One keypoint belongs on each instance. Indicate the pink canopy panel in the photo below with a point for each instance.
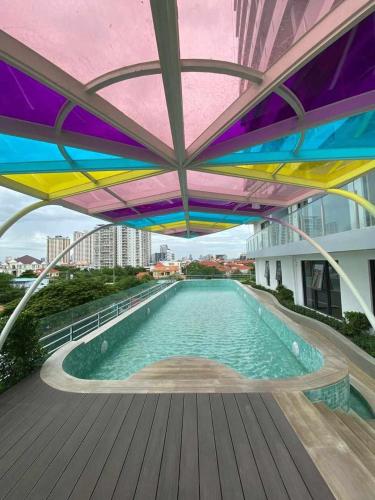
(254, 34)
(185, 117)
(143, 100)
(86, 38)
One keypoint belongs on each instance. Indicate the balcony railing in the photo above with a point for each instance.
(329, 214)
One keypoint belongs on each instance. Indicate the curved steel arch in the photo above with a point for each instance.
(333, 263)
(193, 66)
(25, 299)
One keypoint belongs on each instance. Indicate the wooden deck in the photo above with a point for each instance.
(61, 445)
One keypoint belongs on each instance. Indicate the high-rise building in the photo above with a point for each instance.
(82, 253)
(55, 245)
(165, 254)
(133, 247)
(104, 248)
(121, 246)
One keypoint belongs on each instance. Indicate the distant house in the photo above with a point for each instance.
(164, 269)
(18, 265)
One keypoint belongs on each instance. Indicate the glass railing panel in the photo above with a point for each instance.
(330, 214)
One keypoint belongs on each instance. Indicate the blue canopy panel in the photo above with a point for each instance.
(19, 155)
(349, 138)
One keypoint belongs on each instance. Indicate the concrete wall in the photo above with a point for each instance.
(355, 263)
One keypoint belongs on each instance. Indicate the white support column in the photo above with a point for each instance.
(333, 263)
(17, 216)
(25, 299)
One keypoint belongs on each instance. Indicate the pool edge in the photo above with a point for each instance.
(333, 371)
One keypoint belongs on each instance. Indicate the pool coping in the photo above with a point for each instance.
(356, 356)
(333, 370)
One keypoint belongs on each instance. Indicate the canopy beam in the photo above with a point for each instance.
(324, 33)
(165, 19)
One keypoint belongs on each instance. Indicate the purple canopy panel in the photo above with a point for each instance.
(164, 205)
(272, 110)
(83, 122)
(349, 70)
(24, 98)
(241, 208)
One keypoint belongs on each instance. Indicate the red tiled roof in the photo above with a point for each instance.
(27, 259)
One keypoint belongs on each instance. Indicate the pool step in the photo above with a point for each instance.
(365, 452)
(359, 426)
(344, 472)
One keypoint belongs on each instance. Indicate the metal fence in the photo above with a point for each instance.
(74, 331)
(249, 275)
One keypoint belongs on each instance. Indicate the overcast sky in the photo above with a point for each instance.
(28, 236)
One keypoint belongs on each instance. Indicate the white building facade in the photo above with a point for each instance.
(120, 246)
(82, 253)
(18, 265)
(55, 245)
(340, 226)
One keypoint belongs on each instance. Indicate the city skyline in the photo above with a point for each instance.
(60, 221)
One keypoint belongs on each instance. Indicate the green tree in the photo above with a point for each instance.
(195, 268)
(22, 352)
(28, 274)
(8, 292)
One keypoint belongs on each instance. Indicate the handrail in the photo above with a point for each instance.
(98, 319)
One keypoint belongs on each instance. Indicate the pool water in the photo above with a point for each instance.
(359, 404)
(209, 319)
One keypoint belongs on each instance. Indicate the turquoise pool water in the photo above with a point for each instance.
(211, 319)
(359, 404)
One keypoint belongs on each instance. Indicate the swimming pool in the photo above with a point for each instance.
(213, 319)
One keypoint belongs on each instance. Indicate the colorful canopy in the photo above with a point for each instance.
(185, 117)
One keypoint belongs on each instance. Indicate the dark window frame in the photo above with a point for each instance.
(326, 288)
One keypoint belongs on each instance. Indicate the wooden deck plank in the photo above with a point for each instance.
(25, 388)
(170, 465)
(189, 460)
(268, 471)
(107, 481)
(231, 487)
(22, 411)
(290, 475)
(56, 467)
(311, 476)
(28, 455)
(71, 474)
(15, 445)
(251, 482)
(89, 477)
(210, 488)
(32, 475)
(149, 476)
(164, 446)
(128, 479)
(23, 428)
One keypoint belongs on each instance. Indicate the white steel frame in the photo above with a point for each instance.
(326, 31)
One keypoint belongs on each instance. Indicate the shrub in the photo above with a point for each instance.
(22, 353)
(284, 294)
(356, 323)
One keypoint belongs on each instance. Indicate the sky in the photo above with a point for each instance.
(28, 235)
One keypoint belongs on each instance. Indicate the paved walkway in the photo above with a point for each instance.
(61, 445)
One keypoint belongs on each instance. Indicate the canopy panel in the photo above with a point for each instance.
(181, 117)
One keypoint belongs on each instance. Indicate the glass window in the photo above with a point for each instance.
(267, 272)
(321, 285)
(279, 274)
